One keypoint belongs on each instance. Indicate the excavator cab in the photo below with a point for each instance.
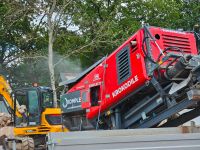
(38, 116)
(29, 103)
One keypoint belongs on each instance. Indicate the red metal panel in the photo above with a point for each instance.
(114, 92)
(105, 74)
(183, 40)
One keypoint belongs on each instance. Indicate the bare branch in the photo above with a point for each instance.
(60, 13)
(53, 7)
(34, 57)
(73, 52)
(59, 16)
(49, 16)
(41, 21)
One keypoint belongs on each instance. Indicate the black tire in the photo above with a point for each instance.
(27, 143)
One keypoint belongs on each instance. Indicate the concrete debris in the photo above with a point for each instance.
(6, 132)
(5, 120)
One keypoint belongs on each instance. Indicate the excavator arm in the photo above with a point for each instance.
(5, 91)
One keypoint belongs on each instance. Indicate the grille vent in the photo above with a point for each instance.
(180, 42)
(123, 64)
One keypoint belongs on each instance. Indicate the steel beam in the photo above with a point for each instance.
(144, 107)
(183, 118)
(166, 113)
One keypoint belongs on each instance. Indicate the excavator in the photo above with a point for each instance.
(33, 115)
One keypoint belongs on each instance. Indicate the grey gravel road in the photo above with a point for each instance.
(126, 141)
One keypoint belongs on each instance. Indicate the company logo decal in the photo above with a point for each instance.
(96, 77)
(125, 86)
(72, 102)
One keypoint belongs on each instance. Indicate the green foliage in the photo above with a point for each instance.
(107, 24)
(87, 31)
(19, 39)
(190, 14)
(102, 26)
(29, 72)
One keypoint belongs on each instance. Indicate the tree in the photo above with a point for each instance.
(34, 31)
(109, 23)
(15, 30)
(50, 14)
(37, 28)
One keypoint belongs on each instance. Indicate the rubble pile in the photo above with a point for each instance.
(5, 120)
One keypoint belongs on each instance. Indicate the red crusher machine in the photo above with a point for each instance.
(146, 82)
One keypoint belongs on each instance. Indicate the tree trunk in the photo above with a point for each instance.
(51, 67)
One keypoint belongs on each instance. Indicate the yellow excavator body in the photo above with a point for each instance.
(44, 128)
(32, 112)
